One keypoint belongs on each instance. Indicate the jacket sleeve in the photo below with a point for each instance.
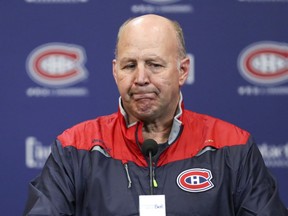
(257, 191)
(52, 192)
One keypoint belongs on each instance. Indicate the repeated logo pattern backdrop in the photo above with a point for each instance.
(55, 69)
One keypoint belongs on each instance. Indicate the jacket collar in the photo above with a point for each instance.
(176, 126)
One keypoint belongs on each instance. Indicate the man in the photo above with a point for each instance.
(204, 166)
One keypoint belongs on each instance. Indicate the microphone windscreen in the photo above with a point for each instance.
(149, 145)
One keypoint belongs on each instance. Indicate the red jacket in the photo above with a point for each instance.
(207, 167)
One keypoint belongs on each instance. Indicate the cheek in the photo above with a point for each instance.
(167, 80)
(124, 83)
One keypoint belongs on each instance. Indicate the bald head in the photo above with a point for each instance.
(156, 25)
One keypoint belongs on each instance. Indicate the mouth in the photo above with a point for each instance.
(143, 96)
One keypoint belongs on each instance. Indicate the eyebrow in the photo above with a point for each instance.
(147, 58)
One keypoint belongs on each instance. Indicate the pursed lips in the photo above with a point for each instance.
(143, 95)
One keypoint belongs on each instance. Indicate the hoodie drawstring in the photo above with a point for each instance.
(127, 174)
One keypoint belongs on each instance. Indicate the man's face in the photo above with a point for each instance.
(148, 71)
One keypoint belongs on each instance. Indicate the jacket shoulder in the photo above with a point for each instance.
(217, 132)
(82, 135)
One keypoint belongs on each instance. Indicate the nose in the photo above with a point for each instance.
(141, 76)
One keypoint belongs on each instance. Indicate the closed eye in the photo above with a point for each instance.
(130, 66)
(154, 65)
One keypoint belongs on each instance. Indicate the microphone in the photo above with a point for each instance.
(149, 149)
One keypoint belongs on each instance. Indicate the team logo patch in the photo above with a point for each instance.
(195, 180)
(264, 63)
(57, 65)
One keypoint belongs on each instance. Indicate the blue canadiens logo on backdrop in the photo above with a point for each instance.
(195, 180)
(57, 64)
(264, 63)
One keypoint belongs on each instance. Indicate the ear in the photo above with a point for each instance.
(114, 65)
(184, 70)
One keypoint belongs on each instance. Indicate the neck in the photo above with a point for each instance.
(158, 131)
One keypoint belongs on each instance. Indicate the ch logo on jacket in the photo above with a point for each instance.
(195, 180)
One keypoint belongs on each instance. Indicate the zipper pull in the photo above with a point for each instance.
(155, 184)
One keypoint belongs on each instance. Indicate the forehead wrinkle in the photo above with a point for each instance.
(141, 57)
